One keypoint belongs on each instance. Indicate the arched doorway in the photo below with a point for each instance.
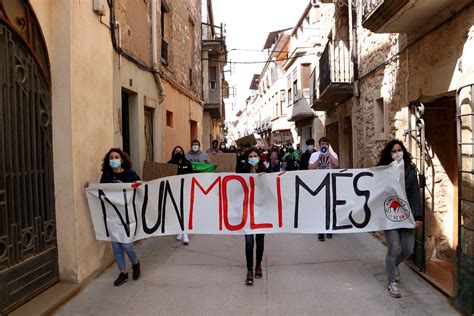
(28, 252)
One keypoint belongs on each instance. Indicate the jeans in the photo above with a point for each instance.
(119, 248)
(249, 241)
(401, 243)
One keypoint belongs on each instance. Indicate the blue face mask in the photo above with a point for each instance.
(115, 163)
(254, 161)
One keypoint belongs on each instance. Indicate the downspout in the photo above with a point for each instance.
(154, 53)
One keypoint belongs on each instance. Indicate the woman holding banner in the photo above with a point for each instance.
(117, 168)
(401, 242)
(253, 164)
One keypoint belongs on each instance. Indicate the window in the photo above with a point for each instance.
(379, 116)
(212, 77)
(165, 26)
(169, 118)
(290, 94)
(306, 82)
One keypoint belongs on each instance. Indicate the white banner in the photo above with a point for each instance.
(313, 201)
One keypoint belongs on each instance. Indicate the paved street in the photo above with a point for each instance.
(302, 276)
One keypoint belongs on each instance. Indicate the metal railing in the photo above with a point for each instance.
(212, 32)
(368, 6)
(335, 65)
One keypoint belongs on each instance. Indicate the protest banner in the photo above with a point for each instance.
(311, 201)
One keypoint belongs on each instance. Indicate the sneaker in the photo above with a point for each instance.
(136, 270)
(397, 275)
(393, 290)
(179, 237)
(321, 237)
(185, 239)
(258, 272)
(122, 278)
(249, 280)
(328, 236)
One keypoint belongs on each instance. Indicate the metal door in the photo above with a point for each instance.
(28, 252)
(417, 146)
(465, 249)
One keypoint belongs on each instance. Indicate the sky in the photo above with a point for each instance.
(247, 24)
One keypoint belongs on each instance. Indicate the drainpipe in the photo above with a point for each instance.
(117, 26)
(154, 52)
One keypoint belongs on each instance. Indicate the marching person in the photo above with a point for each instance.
(194, 155)
(253, 164)
(117, 168)
(401, 241)
(304, 161)
(184, 167)
(223, 147)
(274, 164)
(178, 158)
(214, 148)
(324, 158)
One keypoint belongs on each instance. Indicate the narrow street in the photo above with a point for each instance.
(341, 276)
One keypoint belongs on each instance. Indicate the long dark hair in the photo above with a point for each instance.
(386, 153)
(172, 152)
(126, 162)
(247, 167)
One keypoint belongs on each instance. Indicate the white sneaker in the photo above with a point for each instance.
(185, 239)
(393, 290)
(179, 237)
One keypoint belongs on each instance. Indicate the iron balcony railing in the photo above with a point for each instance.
(335, 66)
(164, 51)
(368, 6)
(212, 32)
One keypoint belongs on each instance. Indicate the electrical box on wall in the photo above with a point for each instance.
(98, 6)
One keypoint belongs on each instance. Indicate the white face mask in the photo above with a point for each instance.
(398, 156)
(310, 147)
(195, 148)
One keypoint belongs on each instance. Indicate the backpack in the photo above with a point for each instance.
(291, 163)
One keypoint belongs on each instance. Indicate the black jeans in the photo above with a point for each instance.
(249, 240)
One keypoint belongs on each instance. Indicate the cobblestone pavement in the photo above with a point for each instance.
(341, 276)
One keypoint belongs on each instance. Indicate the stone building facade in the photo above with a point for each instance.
(411, 75)
(100, 82)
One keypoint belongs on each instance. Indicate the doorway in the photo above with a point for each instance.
(28, 250)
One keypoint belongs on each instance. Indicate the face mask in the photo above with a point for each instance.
(222, 147)
(397, 156)
(254, 161)
(310, 147)
(115, 163)
(178, 155)
(195, 148)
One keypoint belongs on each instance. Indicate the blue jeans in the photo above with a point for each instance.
(400, 243)
(119, 248)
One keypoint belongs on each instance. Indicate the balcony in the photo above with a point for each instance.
(402, 16)
(336, 74)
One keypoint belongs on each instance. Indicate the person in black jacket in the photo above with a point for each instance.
(178, 158)
(184, 167)
(401, 242)
(253, 164)
(117, 168)
(304, 161)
